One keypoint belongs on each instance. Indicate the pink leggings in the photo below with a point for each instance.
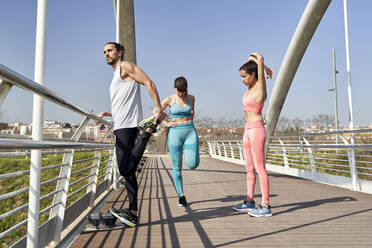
(253, 148)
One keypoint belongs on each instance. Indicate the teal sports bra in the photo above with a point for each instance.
(176, 111)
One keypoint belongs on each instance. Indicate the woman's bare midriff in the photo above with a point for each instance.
(251, 117)
(182, 120)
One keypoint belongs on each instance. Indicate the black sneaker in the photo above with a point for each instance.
(182, 201)
(126, 216)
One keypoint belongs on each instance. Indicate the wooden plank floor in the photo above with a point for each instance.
(305, 213)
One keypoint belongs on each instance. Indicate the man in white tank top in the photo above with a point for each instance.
(126, 111)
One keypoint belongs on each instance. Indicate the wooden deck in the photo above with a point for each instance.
(305, 213)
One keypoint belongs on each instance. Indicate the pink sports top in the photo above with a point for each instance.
(250, 104)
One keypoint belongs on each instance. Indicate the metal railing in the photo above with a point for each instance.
(75, 176)
(327, 157)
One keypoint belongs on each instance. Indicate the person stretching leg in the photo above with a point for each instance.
(182, 134)
(126, 111)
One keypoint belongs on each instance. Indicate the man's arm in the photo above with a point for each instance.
(140, 76)
(105, 113)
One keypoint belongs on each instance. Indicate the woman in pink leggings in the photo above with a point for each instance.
(252, 74)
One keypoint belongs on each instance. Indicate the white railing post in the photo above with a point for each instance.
(240, 148)
(4, 90)
(311, 156)
(241, 153)
(232, 151)
(224, 150)
(353, 172)
(285, 157)
(209, 147)
(214, 144)
(94, 177)
(109, 169)
(61, 197)
(37, 131)
(34, 200)
(110, 166)
(115, 174)
(356, 185)
(219, 149)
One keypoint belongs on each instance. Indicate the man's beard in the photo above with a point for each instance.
(112, 62)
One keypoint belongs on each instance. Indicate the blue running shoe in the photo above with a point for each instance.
(245, 207)
(262, 211)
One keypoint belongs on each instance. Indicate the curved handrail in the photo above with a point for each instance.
(323, 133)
(19, 80)
(8, 144)
(323, 145)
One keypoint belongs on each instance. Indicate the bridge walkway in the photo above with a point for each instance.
(305, 213)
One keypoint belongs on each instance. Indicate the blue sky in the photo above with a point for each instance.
(205, 41)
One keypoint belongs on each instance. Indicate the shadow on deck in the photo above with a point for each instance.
(305, 213)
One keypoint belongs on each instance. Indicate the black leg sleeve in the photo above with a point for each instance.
(129, 154)
(138, 150)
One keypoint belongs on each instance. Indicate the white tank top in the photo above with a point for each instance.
(126, 106)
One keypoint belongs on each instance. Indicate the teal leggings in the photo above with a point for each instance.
(183, 136)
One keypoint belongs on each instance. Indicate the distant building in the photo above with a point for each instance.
(95, 132)
(7, 131)
(92, 131)
(25, 129)
(55, 129)
(102, 132)
(3, 126)
(12, 128)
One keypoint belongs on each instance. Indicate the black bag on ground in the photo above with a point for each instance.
(102, 220)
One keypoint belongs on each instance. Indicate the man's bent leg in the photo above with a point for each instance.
(138, 150)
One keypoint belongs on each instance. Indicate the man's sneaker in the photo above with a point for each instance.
(126, 216)
(262, 211)
(182, 201)
(245, 207)
(148, 123)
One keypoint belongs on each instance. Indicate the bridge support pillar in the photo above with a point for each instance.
(309, 22)
(125, 30)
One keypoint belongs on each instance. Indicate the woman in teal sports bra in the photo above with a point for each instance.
(182, 133)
